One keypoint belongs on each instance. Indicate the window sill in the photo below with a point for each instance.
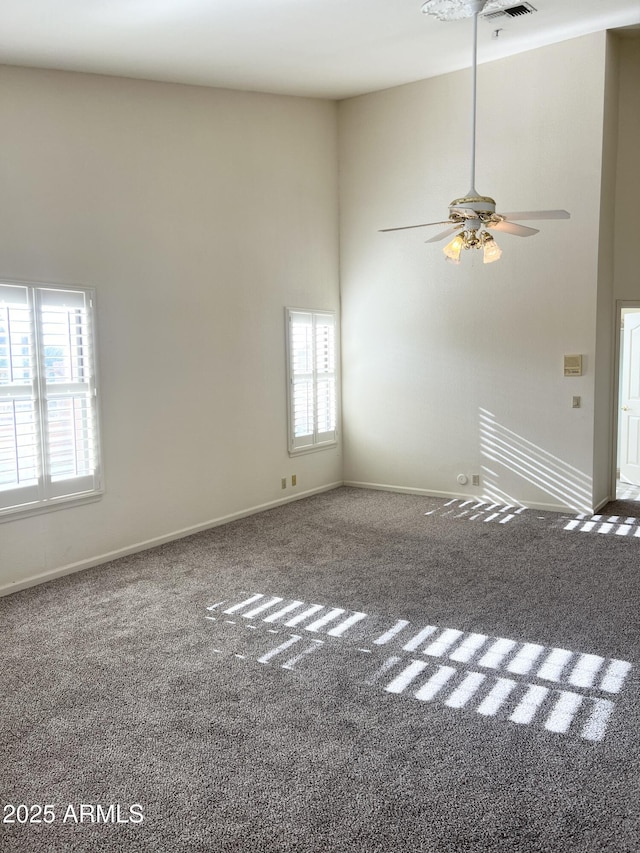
(301, 451)
(49, 506)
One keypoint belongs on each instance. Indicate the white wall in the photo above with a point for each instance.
(197, 214)
(447, 369)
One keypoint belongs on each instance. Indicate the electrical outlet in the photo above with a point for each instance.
(294, 479)
(475, 480)
(283, 482)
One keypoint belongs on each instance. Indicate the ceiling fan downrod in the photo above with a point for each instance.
(473, 200)
(474, 95)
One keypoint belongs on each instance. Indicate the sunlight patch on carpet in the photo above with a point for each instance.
(477, 510)
(616, 525)
(460, 509)
(501, 677)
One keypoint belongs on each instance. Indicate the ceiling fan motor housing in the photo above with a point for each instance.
(473, 207)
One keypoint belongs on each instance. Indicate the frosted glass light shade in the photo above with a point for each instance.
(452, 250)
(491, 251)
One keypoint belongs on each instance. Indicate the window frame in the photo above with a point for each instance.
(316, 441)
(49, 493)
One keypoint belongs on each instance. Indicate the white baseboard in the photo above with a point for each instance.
(98, 560)
(432, 493)
(408, 490)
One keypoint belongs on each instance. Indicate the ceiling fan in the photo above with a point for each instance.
(473, 217)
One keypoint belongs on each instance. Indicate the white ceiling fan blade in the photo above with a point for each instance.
(512, 228)
(538, 214)
(442, 234)
(423, 225)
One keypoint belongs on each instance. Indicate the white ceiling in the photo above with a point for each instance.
(320, 48)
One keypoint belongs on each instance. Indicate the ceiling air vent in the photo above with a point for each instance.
(522, 9)
(511, 12)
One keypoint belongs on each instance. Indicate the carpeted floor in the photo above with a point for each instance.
(358, 671)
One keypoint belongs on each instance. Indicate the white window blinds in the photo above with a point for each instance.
(49, 449)
(312, 379)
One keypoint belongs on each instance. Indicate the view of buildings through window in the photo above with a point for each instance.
(48, 407)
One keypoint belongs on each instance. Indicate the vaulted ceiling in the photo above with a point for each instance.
(331, 49)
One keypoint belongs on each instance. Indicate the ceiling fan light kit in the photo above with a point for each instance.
(472, 239)
(471, 216)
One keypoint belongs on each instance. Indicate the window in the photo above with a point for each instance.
(311, 354)
(49, 449)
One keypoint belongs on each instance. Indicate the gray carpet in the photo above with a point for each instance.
(358, 671)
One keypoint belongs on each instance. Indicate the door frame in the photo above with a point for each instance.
(615, 433)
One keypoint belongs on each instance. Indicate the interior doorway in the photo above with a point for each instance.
(628, 403)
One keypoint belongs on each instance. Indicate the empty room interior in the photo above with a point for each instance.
(320, 479)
